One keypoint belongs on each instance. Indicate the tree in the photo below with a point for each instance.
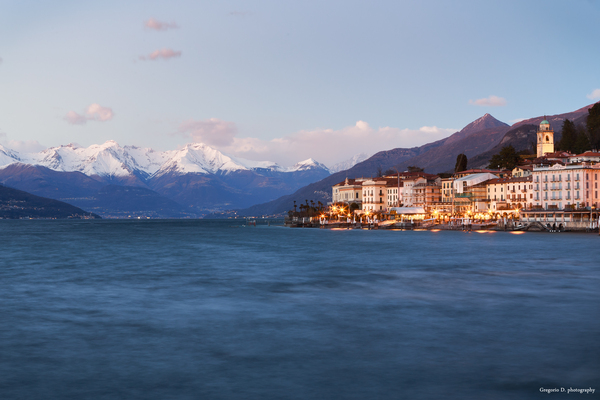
(569, 137)
(414, 168)
(461, 163)
(582, 143)
(507, 158)
(593, 126)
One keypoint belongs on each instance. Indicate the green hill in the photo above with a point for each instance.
(16, 204)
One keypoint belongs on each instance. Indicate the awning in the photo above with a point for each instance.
(408, 210)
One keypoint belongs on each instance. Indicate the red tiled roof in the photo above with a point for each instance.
(558, 154)
(510, 180)
(588, 154)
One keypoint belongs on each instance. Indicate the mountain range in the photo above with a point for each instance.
(198, 180)
(479, 140)
(180, 183)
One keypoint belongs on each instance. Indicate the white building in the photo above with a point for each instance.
(566, 186)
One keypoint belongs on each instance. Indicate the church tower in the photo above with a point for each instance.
(545, 139)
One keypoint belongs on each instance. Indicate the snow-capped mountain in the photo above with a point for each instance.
(105, 160)
(306, 165)
(8, 156)
(349, 163)
(196, 175)
(111, 160)
(199, 158)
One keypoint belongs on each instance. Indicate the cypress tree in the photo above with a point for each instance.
(582, 143)
(461, 163)
(569, 137)
(593, 126)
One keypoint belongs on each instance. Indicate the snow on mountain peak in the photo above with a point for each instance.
(111, 160)
(307, 164)
(349, 163)
(199, 158)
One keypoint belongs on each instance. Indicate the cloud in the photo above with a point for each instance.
(24, 146)
(95, 112)
(162, 53)
(328, 146)
(514, 121)
(213, 131)
(592, 96)
(160, 26)
(492, 101)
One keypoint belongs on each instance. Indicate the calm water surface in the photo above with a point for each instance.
(212, 310)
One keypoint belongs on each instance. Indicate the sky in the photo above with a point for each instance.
(287, 80)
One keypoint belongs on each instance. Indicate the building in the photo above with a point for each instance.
(565, 196)
(569, 187)
(470, 193)
(498, 173)
(349, 191)
(519, 192)
(588, 156)
(447, 191)
(522, 171)
(545, 139)
(375, 194)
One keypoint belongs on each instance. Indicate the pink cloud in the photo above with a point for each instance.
(95, 112)
(592, 96)
(213, 131)
(331, 146)
(492, 101)
(98, 113)
(75, 119)
(162, 53)
(160, 26)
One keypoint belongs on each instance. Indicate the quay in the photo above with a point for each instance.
(553, 192)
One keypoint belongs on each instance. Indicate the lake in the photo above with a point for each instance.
(205, 309)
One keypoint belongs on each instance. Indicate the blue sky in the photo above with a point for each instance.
(283, 80)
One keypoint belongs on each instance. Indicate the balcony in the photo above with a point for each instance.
(464, 195)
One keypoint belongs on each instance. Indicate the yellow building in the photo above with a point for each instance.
(545, 139)
(447, 191)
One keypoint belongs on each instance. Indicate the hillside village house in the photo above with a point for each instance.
(522, 171)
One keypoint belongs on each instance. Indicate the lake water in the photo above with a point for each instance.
(211, 310)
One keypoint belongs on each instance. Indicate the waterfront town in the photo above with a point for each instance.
(553, 190)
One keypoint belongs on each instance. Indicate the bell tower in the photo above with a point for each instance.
(545, 139)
